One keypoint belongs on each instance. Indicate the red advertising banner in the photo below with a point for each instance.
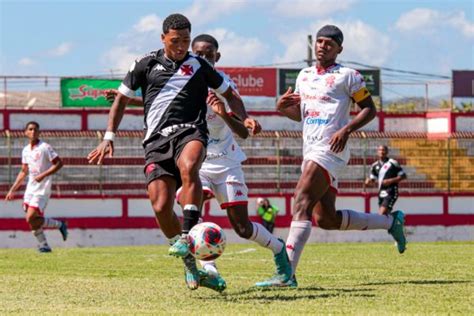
(463, 83)
(253, 81)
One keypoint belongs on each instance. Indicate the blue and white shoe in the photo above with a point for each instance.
(63, 230)
(398, 230)
(191, 273)
(277, 282)
(180, 248)
(282, 262)
(213, 282)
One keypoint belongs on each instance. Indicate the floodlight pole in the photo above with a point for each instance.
(309, 59)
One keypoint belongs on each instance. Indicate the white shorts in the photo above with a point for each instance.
(228, 187)
(38, 202)
(331, 164)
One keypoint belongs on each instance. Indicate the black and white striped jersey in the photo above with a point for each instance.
(381, 170)
(174, 93)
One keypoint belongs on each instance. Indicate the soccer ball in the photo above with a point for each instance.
(206, 241)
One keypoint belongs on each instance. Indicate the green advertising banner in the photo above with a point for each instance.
(84, 92)
(287, 77)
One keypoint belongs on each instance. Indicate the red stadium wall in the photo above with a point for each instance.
(134, 212)
(436, 123)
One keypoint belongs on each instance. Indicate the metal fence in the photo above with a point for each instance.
(407, 97)
(273, 164)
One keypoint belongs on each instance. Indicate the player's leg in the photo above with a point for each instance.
(328, 218)
(35, 220)
(311, 186)
(189, 163)
(49, 222)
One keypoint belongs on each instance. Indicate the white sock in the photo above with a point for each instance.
(40, 236)
(210, 267)
(352, 220)
(174, 239)
(51, 223)
(265, 239)
(297, 238)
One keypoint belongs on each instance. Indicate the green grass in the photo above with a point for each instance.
(431, 278)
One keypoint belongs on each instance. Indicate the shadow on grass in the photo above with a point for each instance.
(291, 294)
(419, 282)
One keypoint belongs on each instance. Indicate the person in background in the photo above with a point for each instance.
(267, 212)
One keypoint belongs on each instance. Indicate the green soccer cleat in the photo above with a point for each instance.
(276, 281)
(191, 273)
(216, 283)
(180, 248)
(63, 230)
(398, 230)
(283, 266)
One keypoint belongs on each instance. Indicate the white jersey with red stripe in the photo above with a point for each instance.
(39, 158)
(326, 99)
(223, 152)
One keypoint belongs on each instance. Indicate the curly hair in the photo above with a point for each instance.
(176, 22)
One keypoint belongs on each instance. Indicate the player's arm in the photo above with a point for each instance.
(289, 105)
(18, 182)
(233, 122)
(237, 106)
(367, 113)
(372, 176)
(110, 95)
(57, 164)
(401, 175)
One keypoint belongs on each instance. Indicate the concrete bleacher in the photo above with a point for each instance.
(273, 163)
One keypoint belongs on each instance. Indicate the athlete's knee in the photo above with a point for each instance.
(34, 220)
(159, 207)
(189, 172)
(244, 230)
(325, 221)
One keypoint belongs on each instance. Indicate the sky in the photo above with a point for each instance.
(69, 38)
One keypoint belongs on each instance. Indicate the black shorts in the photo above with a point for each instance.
(161, 155)
(388, 199)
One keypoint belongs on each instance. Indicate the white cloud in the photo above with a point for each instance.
(60, 50)
(312, 8)
(428, 20)
(202, 12)
(119, 58)
(238, 50)
(362, 43)
(149, 23)
(26, 61)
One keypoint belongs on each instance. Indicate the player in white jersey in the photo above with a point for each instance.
(322, 99)
(222, 176)
(40, 161)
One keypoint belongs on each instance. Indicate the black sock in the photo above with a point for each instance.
(191, 216)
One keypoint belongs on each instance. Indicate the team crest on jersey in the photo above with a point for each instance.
(330, 81)
(186, 70)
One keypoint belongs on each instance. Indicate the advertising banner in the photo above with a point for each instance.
(253, 81)
(287, 77)
(463, 83)
(85, 92)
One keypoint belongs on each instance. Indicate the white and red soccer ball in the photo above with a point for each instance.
(206, 241)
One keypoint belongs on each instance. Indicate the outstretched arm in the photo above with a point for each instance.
(115, 117)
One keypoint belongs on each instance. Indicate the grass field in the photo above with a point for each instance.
(431, 278)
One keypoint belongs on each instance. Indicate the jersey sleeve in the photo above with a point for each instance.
(373, 173)
(213, 79)
(134, 78)
(51, 153)
(398, 168)
(24, 161)
(356, 86)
